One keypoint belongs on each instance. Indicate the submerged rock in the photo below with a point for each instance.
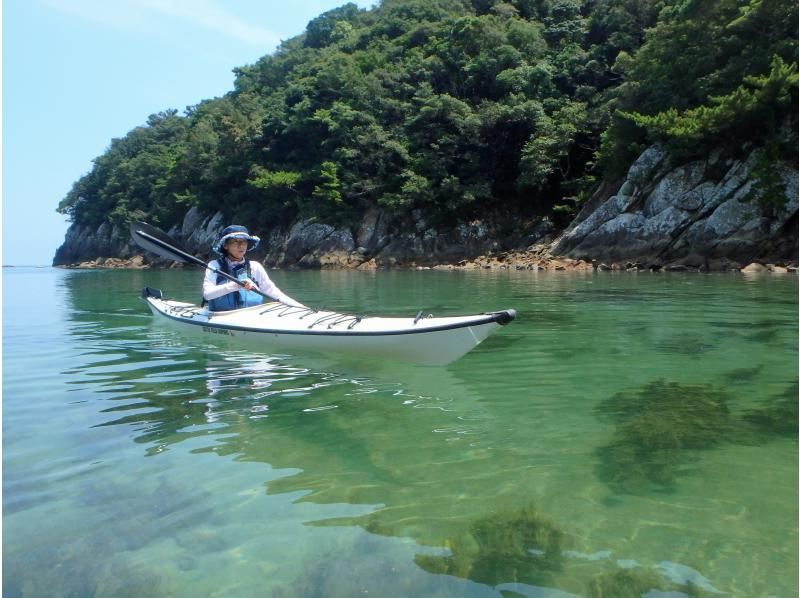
(660, 427)
(509, 546)
(637, 582)
(779, 415)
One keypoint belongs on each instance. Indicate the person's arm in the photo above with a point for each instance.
(266, 286)
(212, 290)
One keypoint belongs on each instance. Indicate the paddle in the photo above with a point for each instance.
(157, 241)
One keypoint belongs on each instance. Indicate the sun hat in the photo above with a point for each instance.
(235, 231)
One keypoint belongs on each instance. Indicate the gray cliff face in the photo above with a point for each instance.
(375, 244)
(692, 213)
(83, 243)
(305, 244)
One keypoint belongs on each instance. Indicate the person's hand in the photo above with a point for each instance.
(248, 284)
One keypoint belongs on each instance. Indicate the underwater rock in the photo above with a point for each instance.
(779, 416)
(510, 546)
(741, 375)
(660, 426)
(638, 582)
(685, 344)
(623, 583)
(683, 575)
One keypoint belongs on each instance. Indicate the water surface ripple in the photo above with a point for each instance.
(626, 435)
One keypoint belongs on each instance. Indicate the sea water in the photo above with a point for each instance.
(627, 433)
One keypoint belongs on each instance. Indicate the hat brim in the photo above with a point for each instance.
(252, 241)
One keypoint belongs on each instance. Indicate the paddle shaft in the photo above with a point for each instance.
(173, 252)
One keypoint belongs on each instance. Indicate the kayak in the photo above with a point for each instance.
(276, 326)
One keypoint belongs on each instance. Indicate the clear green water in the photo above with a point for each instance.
(637, 430)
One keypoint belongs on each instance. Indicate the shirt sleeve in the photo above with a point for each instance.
(266, 286)
(212, 290)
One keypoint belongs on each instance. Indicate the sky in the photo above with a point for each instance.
(79, 73)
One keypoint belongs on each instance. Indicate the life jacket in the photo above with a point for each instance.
(236, 299)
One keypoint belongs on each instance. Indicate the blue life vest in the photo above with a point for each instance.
(236, 299)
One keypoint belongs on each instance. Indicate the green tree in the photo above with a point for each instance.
(459, 108)
(698, 74)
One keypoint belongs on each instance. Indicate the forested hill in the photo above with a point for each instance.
(458, 109)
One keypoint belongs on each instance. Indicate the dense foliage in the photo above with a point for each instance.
(458, 107)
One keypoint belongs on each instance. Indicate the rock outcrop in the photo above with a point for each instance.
(693, 214)
(85, 243)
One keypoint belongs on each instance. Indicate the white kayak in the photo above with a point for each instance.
(275, 326)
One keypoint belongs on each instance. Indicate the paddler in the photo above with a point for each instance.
(223, 294)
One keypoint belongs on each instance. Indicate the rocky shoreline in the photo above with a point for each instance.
(699, 216)
(537, 259)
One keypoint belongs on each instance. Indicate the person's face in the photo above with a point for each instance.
(236, 248)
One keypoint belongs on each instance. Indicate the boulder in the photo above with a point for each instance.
(372, 233)
(755, 268)
(200, 234)
(304, 237)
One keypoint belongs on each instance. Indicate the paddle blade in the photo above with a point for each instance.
(157, 241)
